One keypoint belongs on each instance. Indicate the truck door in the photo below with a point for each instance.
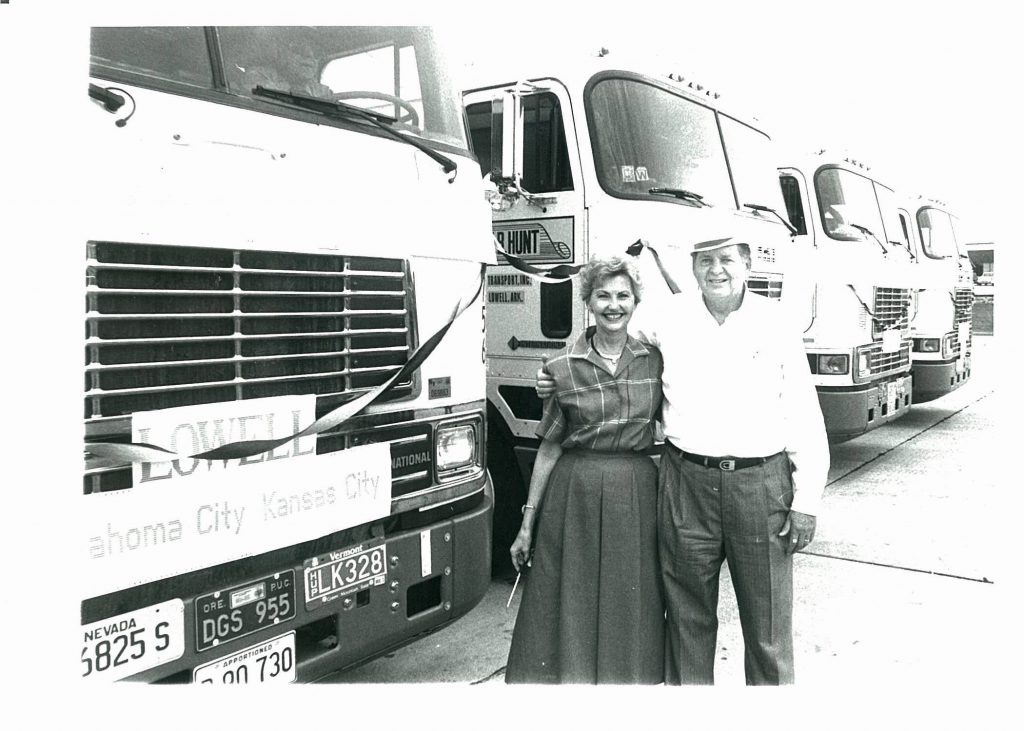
(544, 225)
(800, 290)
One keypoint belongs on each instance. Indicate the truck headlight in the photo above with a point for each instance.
(863, 364)
(456, 446)
(947, 346)
(834, 365)
(926, 345)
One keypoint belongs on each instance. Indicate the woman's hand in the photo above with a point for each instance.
(521, 548)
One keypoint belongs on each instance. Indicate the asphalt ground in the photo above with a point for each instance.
(906, 585)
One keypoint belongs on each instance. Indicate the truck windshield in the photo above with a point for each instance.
(848, 205)
(752, 164)
(894, 232)
(393, 71)
(937, 236)
(645, 136)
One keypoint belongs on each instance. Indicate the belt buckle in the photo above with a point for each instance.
(727, 465)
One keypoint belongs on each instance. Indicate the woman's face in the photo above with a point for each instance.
(612, 302)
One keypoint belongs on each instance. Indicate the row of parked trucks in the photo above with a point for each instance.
(590, 158)
(309, 405)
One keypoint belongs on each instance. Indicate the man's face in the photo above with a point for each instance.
(720, 273)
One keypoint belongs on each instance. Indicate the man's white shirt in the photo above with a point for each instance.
(742, 388)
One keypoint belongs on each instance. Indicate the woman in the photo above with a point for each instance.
(592, 608)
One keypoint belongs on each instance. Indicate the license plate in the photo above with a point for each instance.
(241, 610)
(890, 393)
(339, 573)
(890, 341)
(272, 661)
(129, 643)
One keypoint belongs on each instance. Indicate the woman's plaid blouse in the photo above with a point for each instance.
(594, 408)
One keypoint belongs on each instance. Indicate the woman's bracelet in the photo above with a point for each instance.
(531, 507)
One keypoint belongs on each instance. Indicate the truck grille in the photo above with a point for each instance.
(881, 363)
(765, 286)
(890, 310)
(963, 302)
(175, 326)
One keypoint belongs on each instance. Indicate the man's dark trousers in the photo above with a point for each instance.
(707, 515)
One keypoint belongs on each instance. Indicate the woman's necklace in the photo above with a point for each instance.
(613, 359)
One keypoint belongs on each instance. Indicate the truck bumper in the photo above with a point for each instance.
(430, 593)
(935, 378)
(850, 411)
(438, 568)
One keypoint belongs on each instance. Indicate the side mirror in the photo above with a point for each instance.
(502, 137)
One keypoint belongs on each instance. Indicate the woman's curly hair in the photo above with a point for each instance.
(598, 269)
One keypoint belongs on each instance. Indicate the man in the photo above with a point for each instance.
(743, 470)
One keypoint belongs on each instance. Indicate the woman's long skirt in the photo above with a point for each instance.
(592, 608)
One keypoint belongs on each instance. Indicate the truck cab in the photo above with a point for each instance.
(591, 157)
(942, 329)
(854, 291)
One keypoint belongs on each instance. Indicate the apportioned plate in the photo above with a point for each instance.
(272, 661)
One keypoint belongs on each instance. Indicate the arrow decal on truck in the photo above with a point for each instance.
(514, 343)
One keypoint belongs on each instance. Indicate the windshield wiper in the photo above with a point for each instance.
(766, 209)
(866, 230)
(111, 101)
(340, 109)
(679, 193)
(900, 245)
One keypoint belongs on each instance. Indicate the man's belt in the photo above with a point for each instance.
(726, 464)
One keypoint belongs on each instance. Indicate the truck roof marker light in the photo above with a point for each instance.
(695, 85)
(602, 52)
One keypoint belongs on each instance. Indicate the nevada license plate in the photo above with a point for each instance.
(343, 572)
(129, 643)
(272, 661)
(241, 610)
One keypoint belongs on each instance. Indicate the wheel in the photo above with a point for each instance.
(411, 116)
